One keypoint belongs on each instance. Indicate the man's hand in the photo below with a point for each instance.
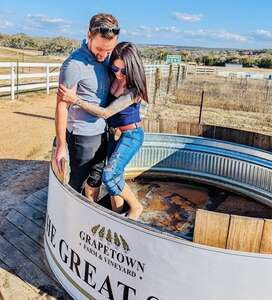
(59, 155)
(67, 95)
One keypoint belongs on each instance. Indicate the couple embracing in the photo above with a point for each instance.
(101, 86)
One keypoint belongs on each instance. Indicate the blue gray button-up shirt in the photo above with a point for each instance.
(92, 80)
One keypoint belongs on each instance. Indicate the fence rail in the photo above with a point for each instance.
(11, 80)
(162, 79)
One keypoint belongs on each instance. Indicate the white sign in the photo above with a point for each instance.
(96, 254)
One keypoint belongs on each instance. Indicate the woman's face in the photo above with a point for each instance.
(119, 69)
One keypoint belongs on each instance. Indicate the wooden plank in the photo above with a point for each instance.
(262, 141)
(28, 227)
(153, 126)
(27, 247)
(145, 125)
(41, 194)
(23, 267)
(208, 131)
(228, 134)
(4, 266)
(184, 128)
(168, 126)
(211, 228)
(266, 243)
(6, 250)
(36, 203)
(245, 234)
(32, 214)
(196, 129)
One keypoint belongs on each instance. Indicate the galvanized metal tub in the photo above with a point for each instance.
(123, 259)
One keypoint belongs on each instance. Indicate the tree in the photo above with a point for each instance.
(57, 46)
(265, 62)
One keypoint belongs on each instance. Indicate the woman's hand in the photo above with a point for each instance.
(67, 95)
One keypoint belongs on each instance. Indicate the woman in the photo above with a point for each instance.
(128, 88)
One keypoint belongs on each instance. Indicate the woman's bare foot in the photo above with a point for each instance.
(135, 212)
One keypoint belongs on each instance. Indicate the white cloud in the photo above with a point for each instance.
(187, 17)
(173, 32)
(261, 34)
(149, 32)
(43, 22)
(219, 35)
(4, 24)
(160, 29)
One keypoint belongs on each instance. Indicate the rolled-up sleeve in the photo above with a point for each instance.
(69, 74)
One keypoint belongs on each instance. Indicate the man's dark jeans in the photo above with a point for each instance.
(87, 156)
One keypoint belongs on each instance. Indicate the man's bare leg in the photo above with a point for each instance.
(117, 203)
(91, 192)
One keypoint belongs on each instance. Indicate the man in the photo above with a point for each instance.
(86, 69)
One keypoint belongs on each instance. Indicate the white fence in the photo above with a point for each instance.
(228, 72)
(12, 77)
(11, 81)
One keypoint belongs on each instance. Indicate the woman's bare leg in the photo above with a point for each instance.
(136, 207)
(117, 203)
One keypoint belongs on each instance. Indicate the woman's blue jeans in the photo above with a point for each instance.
(119, 154)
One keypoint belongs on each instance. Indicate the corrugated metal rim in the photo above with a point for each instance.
(237, 167)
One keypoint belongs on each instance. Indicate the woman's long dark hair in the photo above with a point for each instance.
(134, 67)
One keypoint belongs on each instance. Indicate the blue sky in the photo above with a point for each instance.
(206, 23)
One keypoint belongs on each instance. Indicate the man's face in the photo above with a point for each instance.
(101, 47)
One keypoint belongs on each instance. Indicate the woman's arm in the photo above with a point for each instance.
(122, 102)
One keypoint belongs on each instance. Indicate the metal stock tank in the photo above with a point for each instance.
(97, 254)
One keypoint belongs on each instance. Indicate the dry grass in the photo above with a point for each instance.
(227, 93)
(228, 102)
(14, 55)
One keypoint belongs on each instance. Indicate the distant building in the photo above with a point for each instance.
(233, 65)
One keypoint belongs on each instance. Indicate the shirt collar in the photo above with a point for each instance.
(84, 48)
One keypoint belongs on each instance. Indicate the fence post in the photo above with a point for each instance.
(157, 84)
(17, 79)
(169, 79)
(12, 80)
(47, 79)
(178, 77)
(201, 107)
(184, 72)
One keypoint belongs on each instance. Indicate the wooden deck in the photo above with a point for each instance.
(24, 272)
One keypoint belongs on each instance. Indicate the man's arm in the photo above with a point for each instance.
(60, 124)
(69, 77)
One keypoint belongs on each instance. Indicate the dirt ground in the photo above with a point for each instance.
(27, 131)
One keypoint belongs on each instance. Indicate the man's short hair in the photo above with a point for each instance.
(105, 24)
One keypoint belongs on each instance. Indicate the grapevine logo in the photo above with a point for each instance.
(118, 240)
(112, 249)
